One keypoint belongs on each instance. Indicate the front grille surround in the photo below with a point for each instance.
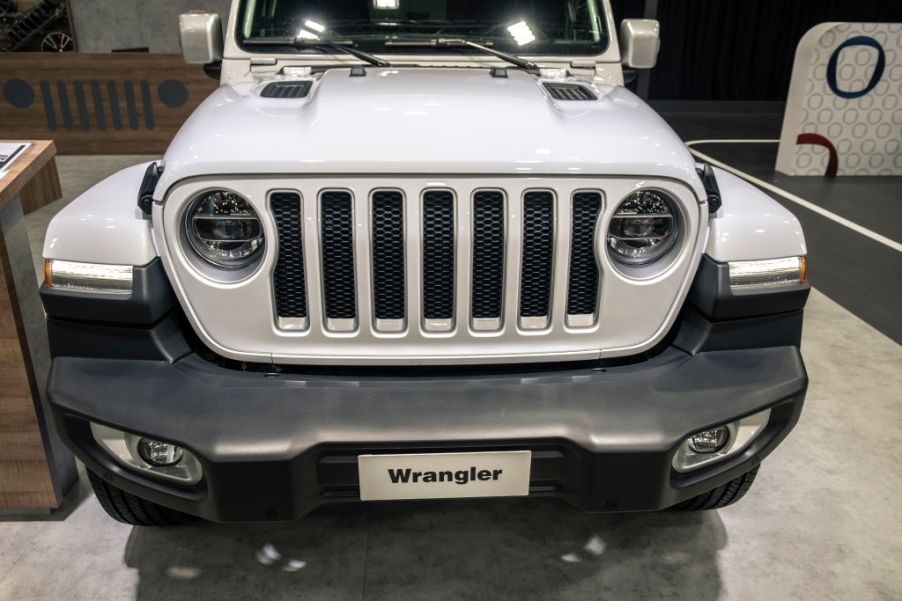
(239, 320)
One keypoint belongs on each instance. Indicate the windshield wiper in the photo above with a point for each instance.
(462, 43)
(345, 46)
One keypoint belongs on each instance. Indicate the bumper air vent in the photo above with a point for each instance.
(287, 89)
(570, 91)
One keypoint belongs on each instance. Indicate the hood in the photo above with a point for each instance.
(416, 120)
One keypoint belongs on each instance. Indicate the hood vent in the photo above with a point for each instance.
(287, 89)
(569, 91)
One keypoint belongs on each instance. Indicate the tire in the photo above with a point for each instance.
(127, 508)
(721, 496)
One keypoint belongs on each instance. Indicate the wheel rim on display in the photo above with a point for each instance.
(57, 42)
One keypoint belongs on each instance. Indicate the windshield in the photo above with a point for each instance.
(525, 27)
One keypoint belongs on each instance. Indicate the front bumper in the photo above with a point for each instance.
(274, 446)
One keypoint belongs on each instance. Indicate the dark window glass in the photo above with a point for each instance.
(559, 27)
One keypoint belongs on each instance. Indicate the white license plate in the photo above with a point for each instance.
(444, 475)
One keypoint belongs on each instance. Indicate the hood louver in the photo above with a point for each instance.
(287, 89)
(569, 91)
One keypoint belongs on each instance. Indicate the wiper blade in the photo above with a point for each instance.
(463, 43)
(345, 46)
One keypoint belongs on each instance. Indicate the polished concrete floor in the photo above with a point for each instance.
(821, 522)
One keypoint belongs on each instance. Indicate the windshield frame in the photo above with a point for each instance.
(605, 51)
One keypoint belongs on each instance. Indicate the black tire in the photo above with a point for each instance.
(127, 508)
(721, 496)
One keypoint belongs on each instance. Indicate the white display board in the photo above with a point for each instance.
(844, 111)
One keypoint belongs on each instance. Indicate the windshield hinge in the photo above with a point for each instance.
(263, 61)
(709, 181)
(148, 185)
(582, 64)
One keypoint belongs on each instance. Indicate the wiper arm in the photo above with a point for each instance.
(463, 43)
(345, 46)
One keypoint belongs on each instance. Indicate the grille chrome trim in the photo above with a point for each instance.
(293, 323)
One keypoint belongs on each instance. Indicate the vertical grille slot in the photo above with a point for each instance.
(289, 277)
(438, 259)
(337, 239)
(388, 259)
(488, 259)
(536, 263)
(582, 291)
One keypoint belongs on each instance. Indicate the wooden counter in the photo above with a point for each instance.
(36, 470)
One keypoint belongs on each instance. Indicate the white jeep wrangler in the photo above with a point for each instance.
(419, 249)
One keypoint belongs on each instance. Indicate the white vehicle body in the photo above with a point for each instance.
(444, 125)
(342, 276)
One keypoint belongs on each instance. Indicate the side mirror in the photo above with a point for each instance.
(640, 40)
(201, 37)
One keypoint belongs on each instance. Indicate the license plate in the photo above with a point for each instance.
(444, 475)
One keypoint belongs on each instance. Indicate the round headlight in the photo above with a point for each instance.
(643, 228)
(224, 229)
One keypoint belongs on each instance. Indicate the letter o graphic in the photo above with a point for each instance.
(878, 70)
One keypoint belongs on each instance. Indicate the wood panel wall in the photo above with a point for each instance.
(35, 470)
(25, 480)
(99, 103)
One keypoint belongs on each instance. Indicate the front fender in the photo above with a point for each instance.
(751, 225)
(104, 225)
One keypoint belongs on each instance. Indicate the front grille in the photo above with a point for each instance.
(488, 254)
(388, 255)
(538, 254)
(528, 257)
(289, 277)
(582, 291)
(438, 256)
(337, 235)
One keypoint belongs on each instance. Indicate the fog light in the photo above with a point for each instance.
(148, 456)
(159, 453)
(709, 441)
(716, 444)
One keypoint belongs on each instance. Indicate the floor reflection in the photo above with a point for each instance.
(502, 549)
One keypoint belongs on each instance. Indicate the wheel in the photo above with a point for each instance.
(57, 42)
(127, 508)
(721, 496)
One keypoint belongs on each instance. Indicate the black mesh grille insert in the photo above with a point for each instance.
(582, 292)
(288, 277)
(488, 254)
(337, 236)
(569, 91)
(388, 254)
(287, 89)
(438, 254)
(538, 251)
